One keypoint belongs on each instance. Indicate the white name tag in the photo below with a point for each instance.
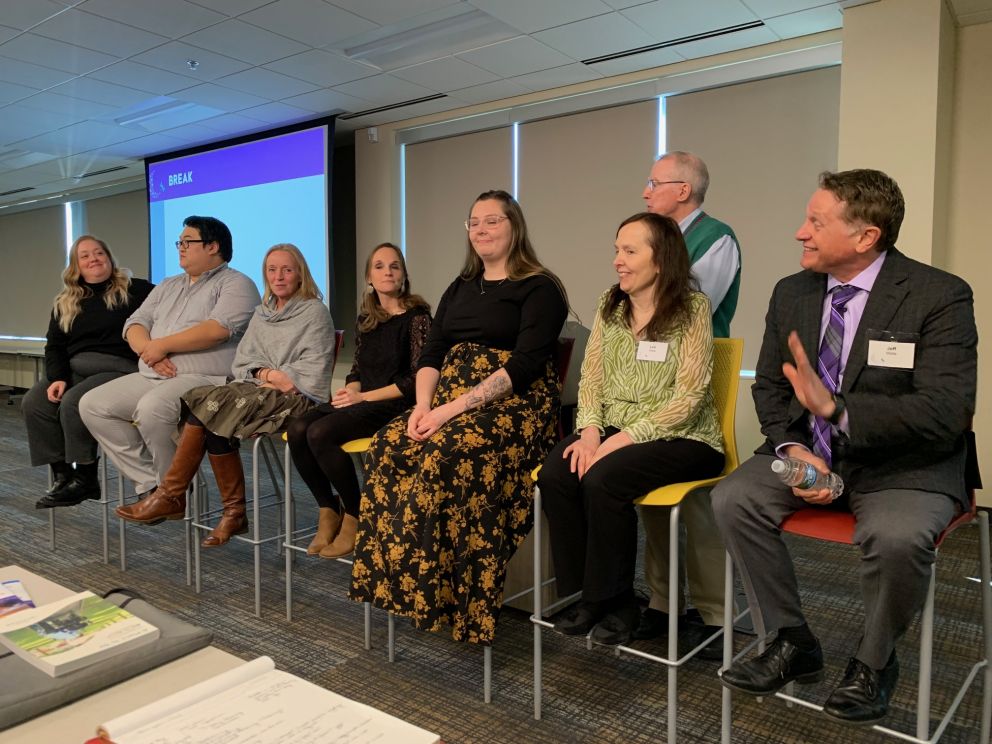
(652, 351)
(894, 354)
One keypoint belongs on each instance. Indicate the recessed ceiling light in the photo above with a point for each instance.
(192, 64)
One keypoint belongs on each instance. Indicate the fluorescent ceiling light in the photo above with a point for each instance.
(159, 107)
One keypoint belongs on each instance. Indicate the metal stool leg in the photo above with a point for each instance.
(290, 523)
(256, 528)
(487, 674)
(538, 599)
(926, 660)
(368, 625)
(673, 619)
(983, 526)
(121, 532)
(197, 506)
(391, 633)
(105, 509)
(726, 721)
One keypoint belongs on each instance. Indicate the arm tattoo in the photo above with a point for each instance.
(488, 390)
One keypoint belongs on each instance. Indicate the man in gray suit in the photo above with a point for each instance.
(868, 368)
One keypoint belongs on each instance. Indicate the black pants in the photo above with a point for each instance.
(593, 522)
(315, 440)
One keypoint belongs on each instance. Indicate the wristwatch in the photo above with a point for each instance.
(839, 408)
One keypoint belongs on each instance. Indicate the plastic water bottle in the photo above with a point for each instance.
(800, 474)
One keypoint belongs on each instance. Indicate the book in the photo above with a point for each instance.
(73, 633)
(13, 597)
(257, 703)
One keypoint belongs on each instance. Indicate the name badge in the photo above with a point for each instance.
(652, 351)
(892, 354)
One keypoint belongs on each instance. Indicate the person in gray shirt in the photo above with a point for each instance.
(185, 335)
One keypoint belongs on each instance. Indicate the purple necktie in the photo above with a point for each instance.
(829, 363)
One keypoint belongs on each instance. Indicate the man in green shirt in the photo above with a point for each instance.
(676, 188)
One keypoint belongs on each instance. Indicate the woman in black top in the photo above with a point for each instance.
(392, 328)
(84, 349)
(447, 498)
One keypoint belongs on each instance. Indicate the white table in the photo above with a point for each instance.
(77, 722)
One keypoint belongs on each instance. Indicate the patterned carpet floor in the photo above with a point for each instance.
(589, 696)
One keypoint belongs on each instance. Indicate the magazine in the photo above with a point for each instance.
(73, 633)
(13, 597)
(256, 702)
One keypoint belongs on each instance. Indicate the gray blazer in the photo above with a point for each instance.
(906, 426)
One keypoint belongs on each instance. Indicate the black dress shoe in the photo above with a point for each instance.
(618, 626)
(61, 474)
(781, 663)
(580, 619)
(696, 633)
(862, 697)
(76, 491)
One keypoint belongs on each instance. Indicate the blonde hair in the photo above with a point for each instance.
(370, 312)
(308, 287)
(68, 302)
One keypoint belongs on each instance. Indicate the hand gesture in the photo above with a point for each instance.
(165, 368)
(55, 391)
(154, 352)
(816, 497)
(428, 421)
(581, 452)
(346, 397)
(806, 383)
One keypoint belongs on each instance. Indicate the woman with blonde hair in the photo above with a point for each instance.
(282, 368)
(84, 349)
(392, 327)
(447, 498)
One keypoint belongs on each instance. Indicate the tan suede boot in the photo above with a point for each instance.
(328, 523)
(168, 501)
(344, 543)
(230, 477)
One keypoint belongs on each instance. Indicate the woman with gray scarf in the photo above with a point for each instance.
(282, 368)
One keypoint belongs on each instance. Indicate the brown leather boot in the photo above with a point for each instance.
(344, 543)
(230, 477)
(168, 500)
(328, 523)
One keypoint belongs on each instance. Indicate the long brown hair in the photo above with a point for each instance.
(370, 311)
(522, 261)
(68, 302)
(673, 286)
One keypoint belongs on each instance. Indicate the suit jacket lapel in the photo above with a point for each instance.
(809, 312)
(887, 294)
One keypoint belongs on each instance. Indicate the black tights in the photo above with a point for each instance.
(315, 440)
(216, 445)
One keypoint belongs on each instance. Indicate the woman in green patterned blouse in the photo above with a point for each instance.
(645, 419)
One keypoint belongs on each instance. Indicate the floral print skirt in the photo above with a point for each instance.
(440, 519)
(239, 410)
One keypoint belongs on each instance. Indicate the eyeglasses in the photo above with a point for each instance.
(490, 221)
(184, 243)
(652, 184)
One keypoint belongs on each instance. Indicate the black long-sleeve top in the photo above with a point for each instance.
(95, 328)
(522, 316)
(388, 354)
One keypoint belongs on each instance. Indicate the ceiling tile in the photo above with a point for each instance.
(516, 57)
(27, 13)
(387, 12)
(96, 90)
(312, 22)
(174, 18)
(219, 97)
(7, 33)
(558, 76)
(18, 122)
(595, 37)
(143, 77)
(35, 76)
(447, 73)
(806, 22)
(81, 137)
(181, 117)
(530, 16)
(384, 89)
(48, 101)
(172, 57)
(328, 101)
(231, 7)
(57, 54)
(635, 62)
(245, 42)
(423, 108)
(23, 159)
(322, 68)
(150, 144)
(493, 91)
(769, 8)
(674, 19)
(10, 92)
(93, 32)
(77, 165)
(621, 4)
(278, 112)
(233, 124)
(266, 83)
(726, 43)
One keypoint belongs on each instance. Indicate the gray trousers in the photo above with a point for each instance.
(895, 531)
(56, 433)
(134, 419)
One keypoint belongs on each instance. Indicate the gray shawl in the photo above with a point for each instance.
(297, 339)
